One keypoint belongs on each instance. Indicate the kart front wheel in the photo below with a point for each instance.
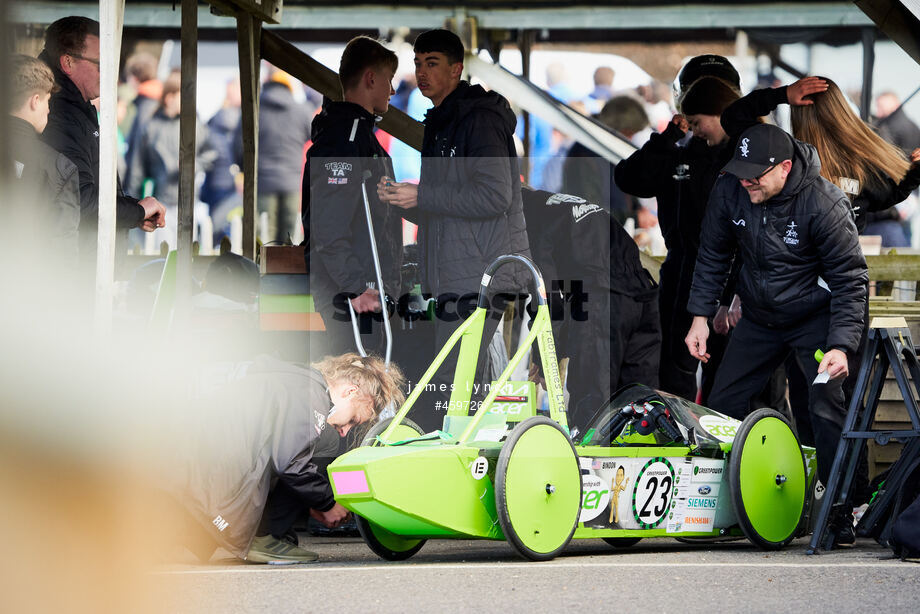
(387, 545)
(384, 544)
(766, 475)
(538, 489)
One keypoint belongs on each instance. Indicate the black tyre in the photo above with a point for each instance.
(622, 542)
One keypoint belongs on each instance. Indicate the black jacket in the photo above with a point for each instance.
(469, 196)
(335, 224)
(73, 130)
(870, 202)
(786, 244)
(219, 182)
(680, 177)
(589, 175)
(157, 157)
(569, 235)
(284, 129)
(898, 129)
(260, 422)
(44, 186)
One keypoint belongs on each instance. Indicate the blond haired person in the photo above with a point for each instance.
(260, 432)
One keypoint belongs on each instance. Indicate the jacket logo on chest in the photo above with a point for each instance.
(792, 237)
(580, 212)
(740, 222)
(220, 523)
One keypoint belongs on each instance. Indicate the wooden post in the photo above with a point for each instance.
(187, 149)
(111, 15)
(249, 32)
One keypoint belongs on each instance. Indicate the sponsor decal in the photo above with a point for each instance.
(338, 169)
(653, 492)
(705, 489)
(723, 429)
(580, 212)
(336, 180)
(595, 496)
(702, 503)
(792, 237)
(559, 198)
(479, 468)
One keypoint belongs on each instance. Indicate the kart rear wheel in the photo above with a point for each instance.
(384, 544)
(407, 429)
(766, 474)
(538, 489)
(622, 542)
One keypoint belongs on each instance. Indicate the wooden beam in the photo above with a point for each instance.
(111, 14)
(295, 62)
(187, 148)
(894, 267)
(249, 31)
(268, 11)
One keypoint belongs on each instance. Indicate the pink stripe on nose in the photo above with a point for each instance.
(350, 482)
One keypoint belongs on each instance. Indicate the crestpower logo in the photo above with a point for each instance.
(707, 471)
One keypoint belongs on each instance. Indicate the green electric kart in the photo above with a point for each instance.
(650, 465)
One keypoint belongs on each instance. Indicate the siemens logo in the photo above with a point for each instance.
(706, 503)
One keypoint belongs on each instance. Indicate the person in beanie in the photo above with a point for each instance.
(679, 171)
(802, 281)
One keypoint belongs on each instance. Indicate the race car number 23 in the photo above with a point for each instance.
(652, 496)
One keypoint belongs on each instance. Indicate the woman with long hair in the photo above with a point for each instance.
(873, 173)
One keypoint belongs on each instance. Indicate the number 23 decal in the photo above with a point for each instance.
(652, 495)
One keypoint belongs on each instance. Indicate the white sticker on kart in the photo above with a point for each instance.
(595, 497)
(479, 468)
(708, 470)
(654, 490)
(723, 429)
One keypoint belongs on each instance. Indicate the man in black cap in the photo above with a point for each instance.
(802, 282)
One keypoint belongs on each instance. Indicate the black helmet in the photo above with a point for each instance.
(708, 65)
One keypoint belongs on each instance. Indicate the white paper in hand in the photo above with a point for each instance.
(822, 378)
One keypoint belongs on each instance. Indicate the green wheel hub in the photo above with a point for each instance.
(538, 489)
(767, 479)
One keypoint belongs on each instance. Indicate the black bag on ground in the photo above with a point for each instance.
(905, 531)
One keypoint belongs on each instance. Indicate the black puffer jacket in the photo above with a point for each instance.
(45, 187)
(469, 196)
(786, 243)
(680, 177)
(73, 130)
(871, 202)
(338, 246)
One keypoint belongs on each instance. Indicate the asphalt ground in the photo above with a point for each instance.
(657, 575)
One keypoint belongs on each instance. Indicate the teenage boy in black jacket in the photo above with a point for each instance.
(344, 147)
(468, 200)
(802, 283)
(42, 190)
